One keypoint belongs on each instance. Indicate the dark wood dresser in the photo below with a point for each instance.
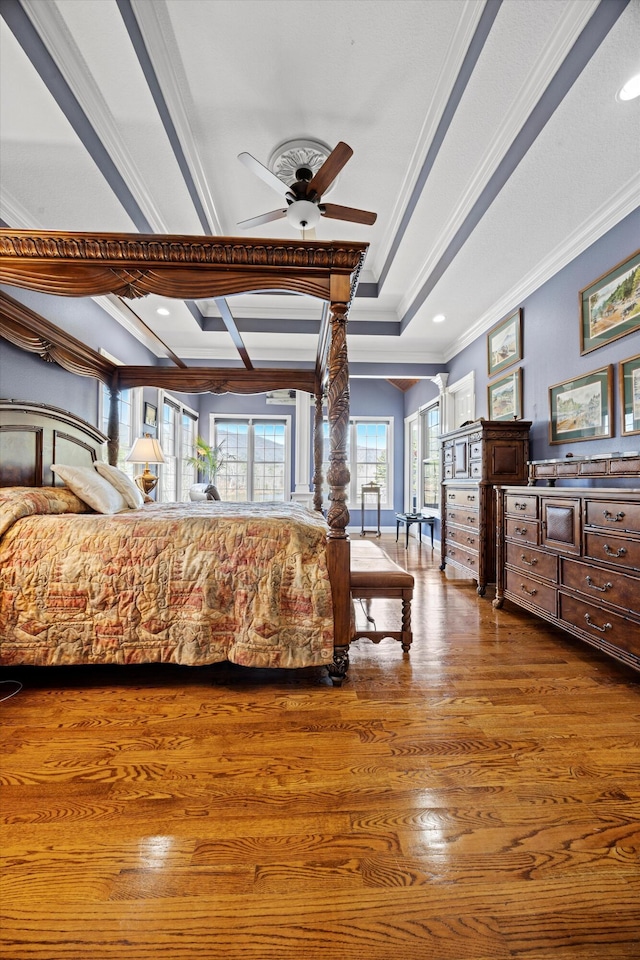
(476, 458)
(572, 556)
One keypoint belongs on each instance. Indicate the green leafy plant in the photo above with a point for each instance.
(208, 459)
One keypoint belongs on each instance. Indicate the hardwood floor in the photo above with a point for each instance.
(477, 800)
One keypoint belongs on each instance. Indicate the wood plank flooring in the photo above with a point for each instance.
(476, 800)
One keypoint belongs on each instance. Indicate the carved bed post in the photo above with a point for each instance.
(338, 553)
(318, 443)
(113, 428)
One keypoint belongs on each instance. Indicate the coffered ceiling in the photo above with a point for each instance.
(487, 137)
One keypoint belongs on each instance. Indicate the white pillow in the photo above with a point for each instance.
(101, 495)
(122, 483)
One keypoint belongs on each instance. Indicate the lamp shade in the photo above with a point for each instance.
(146, 450)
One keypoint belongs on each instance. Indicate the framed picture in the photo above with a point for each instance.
(580, 409)
(150, 415)
(504, 343)
(629, 380)
(610, 306)
(505, 397)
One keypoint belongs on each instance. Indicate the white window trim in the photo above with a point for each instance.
(136, 399)
(409, 422)
(262, 416)
(162, 395)
(465, 391)
(354, 500)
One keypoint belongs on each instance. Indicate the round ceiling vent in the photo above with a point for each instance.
(291, 155)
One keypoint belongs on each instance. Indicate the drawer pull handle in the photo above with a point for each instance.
(520, 506)
(594, 586)
(611, 518)
(530, 563)
(610, 553)
(470, 540)
(471, 497)
(603, 629)
(452, 496)
(470, 519)
(520, 531)
(531, 593)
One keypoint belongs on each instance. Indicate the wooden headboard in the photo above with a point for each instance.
(34, 435)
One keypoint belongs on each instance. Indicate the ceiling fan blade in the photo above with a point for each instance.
(335, 212)
(263, 218)
(264, 173)
(330, 169)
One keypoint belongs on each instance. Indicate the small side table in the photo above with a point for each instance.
(408, 519)
(370, 490)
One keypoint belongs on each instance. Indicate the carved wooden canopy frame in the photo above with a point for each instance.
(193, 267)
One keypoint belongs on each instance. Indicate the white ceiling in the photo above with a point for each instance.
(486, 136)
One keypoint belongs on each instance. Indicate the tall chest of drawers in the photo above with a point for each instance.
(476, 458)
(572, 556)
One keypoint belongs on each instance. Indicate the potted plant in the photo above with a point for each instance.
(207, 462)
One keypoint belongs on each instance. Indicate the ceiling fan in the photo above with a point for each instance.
(304, 196)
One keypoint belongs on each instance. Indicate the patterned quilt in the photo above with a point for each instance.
(185, 583)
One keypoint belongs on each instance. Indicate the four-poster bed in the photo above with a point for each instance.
(89, 264)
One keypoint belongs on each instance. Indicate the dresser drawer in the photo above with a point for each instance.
(521, 506)
(463, 496)
(460, 516)
(525, 531)
(617, 550)
(617, 588)
(615, 515)
(528, 589)
(466, 558)
(600, 624)
(467, 539)
(528, 560)
(475, 469)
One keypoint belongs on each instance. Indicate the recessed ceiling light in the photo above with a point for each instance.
(162, 311)
(631, 89)
(439, 318)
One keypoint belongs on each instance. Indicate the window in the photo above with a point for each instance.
(128, 423)
(430, 428)
(257, 451)
(369, 453)
(177, 434)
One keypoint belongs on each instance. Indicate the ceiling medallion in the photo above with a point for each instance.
(293, 154)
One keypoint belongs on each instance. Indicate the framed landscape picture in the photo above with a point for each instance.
(505, 397)
(610, 306)
(581, 409)
(629, 381)
(150, 415)
(504, 343)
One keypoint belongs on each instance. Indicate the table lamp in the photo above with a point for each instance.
(146, 450)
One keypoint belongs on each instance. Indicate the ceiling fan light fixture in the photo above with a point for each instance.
(302, 214)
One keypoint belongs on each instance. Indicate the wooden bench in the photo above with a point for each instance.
(375, 575)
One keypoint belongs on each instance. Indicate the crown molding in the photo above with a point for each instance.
(155, 26)
(571, 24)
(60, 44)
(624, 202)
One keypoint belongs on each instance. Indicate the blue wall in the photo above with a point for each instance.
(551, 345)
(25, 376)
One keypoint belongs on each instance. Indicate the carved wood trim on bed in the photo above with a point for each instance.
(134, 265)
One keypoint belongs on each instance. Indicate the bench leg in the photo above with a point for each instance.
(338, 669)
(407, 636)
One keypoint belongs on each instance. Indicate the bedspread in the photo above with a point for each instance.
(184, 583)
